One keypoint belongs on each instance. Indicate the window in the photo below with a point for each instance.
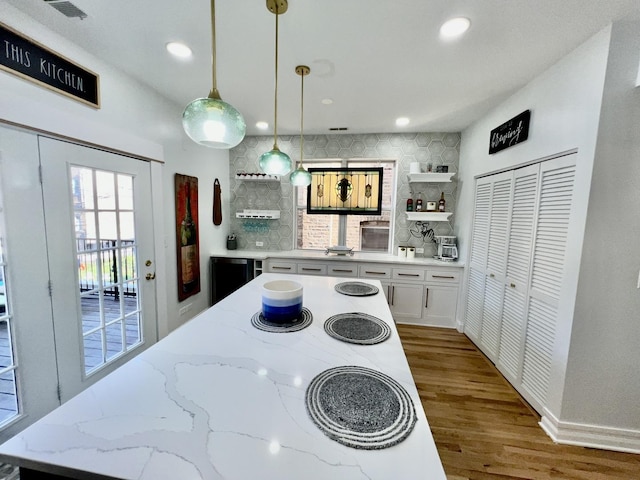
(367, 233)
(8, 393)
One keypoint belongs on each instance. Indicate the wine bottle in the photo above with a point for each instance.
(188, 248)
(409, 205)
(441, 203)
(419, 202)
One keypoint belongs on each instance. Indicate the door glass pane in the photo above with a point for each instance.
(126, 226)
(105, 186)
(133, 329)
(8, 393)
(125, 192)
(107, 264)
(114, 340)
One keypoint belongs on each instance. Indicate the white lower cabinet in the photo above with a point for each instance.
(279, 266)
(342, 270)
(312, 269)
(440, 305)
(420, 295)
(405, 302)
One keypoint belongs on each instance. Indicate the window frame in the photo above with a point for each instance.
(342, 219)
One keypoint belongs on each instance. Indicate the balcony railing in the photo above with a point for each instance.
(117, 276)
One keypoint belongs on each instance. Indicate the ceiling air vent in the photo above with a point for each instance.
(68, 9)
(338, 129)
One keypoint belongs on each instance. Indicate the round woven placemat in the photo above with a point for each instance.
(356, 289)
(360, 407)
(303, 321)
(358, 328)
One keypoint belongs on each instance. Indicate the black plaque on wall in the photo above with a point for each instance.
(510, 133)
(28, 59)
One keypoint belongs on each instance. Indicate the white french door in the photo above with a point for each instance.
(76, 248)
(98, 217)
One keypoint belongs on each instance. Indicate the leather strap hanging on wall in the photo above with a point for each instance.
(217, 203)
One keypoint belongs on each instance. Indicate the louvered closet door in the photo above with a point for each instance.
(499, 221)
(478, 259)
(547, 274)
(520, 245)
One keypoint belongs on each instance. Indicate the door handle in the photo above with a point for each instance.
(150, 276)
(426, 302)
(393, 291)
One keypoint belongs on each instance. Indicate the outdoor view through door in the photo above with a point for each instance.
(367, 233)
(106, 256)
(8, 394)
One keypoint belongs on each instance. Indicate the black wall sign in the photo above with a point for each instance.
(510, 133)
(28, 59)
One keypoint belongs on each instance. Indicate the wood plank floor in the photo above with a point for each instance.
(482, 428)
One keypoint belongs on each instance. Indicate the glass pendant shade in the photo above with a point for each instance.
(213, 123)
(300, 177)
(274, 162)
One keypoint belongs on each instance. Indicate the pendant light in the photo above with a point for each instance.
(301, 177)
(210, 121)
(275, 162)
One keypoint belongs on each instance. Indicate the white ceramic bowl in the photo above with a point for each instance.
(281, 301)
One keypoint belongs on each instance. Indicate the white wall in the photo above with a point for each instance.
(565, 104)
(136, 120)
(603, 379)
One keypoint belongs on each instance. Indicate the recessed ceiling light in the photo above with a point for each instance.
(402, 121)
(326, 101)
(455, 27)
(178, 49)
(262, 125)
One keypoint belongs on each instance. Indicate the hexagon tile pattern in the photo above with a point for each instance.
(404, 148)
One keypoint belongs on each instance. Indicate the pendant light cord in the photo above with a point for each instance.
(301, 117)
(214, 90)
(275, 102)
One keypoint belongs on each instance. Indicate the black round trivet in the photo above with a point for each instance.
(357, 289)
(356, 327)
(360, 407)
(303, 321)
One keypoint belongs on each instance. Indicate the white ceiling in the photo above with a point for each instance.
(377, 60)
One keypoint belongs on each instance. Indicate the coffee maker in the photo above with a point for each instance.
(447, 249)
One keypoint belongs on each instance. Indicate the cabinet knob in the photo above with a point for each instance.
(512, 285)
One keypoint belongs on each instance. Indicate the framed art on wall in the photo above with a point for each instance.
(187, 236)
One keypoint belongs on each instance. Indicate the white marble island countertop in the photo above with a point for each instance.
(221, 399)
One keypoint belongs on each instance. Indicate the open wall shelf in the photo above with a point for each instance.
(430, 177)
(428, 216)
(257, 177)
(259, 214)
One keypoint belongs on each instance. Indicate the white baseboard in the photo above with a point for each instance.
(593, 436)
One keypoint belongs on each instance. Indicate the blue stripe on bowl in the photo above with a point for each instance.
(281, 314)
(282, 302)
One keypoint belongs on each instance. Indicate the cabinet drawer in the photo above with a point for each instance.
(342, 270)
(374, 271)
(281, 267)
(411, 274)
(444, 276)
(312, 269)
